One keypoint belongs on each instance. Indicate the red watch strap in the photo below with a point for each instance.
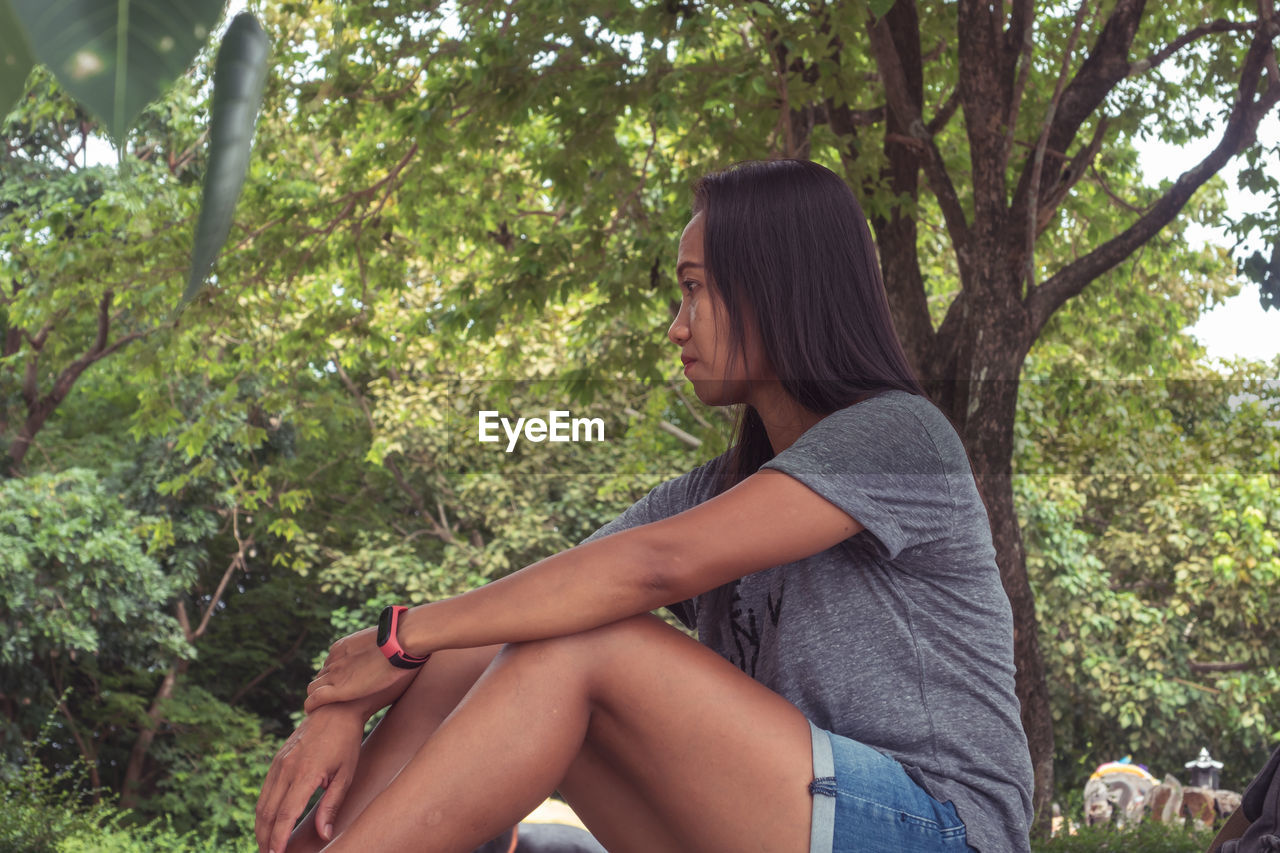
(391, 646)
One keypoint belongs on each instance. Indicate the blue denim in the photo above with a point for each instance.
(864, 801)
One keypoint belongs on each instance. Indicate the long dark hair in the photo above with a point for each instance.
(789, 249)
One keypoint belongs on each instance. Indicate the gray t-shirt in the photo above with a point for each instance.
(900, 637)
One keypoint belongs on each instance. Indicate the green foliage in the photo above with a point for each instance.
(216, 758)
(73, 560)
(42, 811)
(118, 836)
(76, 581)
(111, 62)
(38, 809)
(1146, 837)
(1150, 513)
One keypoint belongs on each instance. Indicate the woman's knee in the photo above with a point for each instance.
(590, 662)
(587, 649)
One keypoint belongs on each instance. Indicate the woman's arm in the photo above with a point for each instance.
(767, 520)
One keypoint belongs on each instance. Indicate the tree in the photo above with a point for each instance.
(63, 221)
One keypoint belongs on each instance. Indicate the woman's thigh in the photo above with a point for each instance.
(711, 759)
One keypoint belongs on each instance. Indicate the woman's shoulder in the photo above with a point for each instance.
(892, 412)
(897, 403)
(905, 411)
(893, 427)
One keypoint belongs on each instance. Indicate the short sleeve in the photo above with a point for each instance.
(881, 462)
(663, 501)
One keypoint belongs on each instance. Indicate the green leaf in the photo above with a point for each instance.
(238, 81)
(879, 8)
(116, 56)
(15, 59)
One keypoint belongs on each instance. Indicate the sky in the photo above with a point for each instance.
(1240, 327)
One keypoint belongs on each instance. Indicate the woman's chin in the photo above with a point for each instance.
(714, 392)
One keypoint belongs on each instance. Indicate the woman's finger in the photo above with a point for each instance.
(266, 801)
(322, 695)
(265, 819)
(288, 812)
(325, 679)
(327, 810)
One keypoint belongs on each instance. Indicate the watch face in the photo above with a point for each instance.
(384, 626)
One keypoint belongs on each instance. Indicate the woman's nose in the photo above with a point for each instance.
(678, 333)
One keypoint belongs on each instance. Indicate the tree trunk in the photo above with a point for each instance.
(138, 755)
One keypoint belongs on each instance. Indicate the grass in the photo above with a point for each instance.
(1146, 837)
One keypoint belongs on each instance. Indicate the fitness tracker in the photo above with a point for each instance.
(388, 623)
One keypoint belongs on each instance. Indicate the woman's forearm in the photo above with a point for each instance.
(582, 588)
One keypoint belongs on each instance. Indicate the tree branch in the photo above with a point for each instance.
(844, 119)
(986, 80)
(1106, 65)
(1195, 686)
(1200, 668)
(1032, 203)
(137, 756)
(1111, 194)
(693, 413)
(39, 408)
(908, 116)
(669, 428)
(1218, 26)
(1020, 43)
(420, 507)
(90, 758)
(1082, 162)
(280, 661)
(237, 562)
(1240, 132)
(944, 113)
(897, 230)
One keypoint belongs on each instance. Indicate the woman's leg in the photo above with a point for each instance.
(657, 742)
(432, 696)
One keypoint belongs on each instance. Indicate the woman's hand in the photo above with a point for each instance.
(357, 671)
(321, 753)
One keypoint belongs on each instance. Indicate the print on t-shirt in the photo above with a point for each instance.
(745, 628)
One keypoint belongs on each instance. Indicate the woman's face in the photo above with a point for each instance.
(701, 330)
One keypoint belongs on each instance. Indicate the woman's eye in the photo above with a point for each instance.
(688, 284)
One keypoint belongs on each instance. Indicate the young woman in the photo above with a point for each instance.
(853, 688)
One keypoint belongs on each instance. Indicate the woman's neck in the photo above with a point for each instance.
(784, 419)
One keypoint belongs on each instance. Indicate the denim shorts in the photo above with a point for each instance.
(863, 800)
